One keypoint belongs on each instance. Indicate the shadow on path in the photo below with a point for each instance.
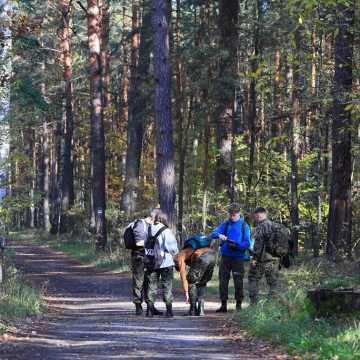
(91, 317)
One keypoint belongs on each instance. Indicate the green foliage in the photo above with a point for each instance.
(289, 319)
(17, 299)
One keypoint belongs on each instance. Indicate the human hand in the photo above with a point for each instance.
(253, 262)
(187, 299)
(222, 237)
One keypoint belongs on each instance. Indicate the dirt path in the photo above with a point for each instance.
(91, 317)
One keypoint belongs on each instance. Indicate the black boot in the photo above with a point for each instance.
(157, 312)
(200, 311)
(150, 310)
(238, 305)
(192, 310)
(253, 301)
(138, 310)
(223, 307)
(169, 312)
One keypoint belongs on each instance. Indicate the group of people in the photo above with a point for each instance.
(155, 255)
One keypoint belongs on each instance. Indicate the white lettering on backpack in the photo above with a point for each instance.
(149, 252)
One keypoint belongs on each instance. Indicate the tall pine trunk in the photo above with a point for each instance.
(140, 62)
(294, 150)
(163, 121)
(97, 125)
(340, 213)
(105, 55)
(67, 168)
(228, 23)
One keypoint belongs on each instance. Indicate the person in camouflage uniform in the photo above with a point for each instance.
(200, 263)
(262, 263)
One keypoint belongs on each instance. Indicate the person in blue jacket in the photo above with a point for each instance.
(234, 236)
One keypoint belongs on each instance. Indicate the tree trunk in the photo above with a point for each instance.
(253, 101)
(105, 56)
(276, 120)
(67, 171)
(340, 213)
(97, 125)
(46, 176)
(164, 131)
(228, 23)
(140, 62)
(295, 146)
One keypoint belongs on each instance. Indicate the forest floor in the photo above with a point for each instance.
(89, 315)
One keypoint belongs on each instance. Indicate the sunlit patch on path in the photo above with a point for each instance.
(91, 317)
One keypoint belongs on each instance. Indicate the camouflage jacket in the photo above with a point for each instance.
(261, 234)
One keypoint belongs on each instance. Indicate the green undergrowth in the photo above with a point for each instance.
(81, 248)
(290, 321)
(17, 299)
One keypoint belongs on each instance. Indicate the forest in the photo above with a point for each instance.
(108, 115)
(254, 101)
(112, 107)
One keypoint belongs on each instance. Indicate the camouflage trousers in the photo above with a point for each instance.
(235, 266)
(271, 271)
(138, 277)
(163, 277)
(199, 275)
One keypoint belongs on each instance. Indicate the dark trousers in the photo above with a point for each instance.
(199, 275)
(139, 281)
(164, 277)
(235, 266)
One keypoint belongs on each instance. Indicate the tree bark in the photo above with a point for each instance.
(163, 120)
(340, 214)
(140, 62)
(253, 100)
(67, 171)
(228, 22)
(295, 146)
(46, 176)
(276, 120)
(105, 55)
(97, 125)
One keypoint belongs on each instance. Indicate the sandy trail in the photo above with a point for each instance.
(91, 317)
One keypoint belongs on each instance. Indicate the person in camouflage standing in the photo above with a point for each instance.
(262, 263)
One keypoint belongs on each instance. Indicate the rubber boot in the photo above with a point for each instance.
(169, 312)
(200, 311)
(223, 307)
(253, 301)
(150, 310)
(238, 305)
(157, 312)
(192, 309)
(138, 309)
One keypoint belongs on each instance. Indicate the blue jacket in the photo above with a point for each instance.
(234, 233)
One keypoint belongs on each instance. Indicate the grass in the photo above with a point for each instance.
(17, 299)
(80, 248)
(289, 319)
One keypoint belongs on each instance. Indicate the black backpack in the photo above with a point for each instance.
(152, 256)
(129, 236)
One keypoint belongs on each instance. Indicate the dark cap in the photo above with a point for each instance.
(234, 208)
(260, 210)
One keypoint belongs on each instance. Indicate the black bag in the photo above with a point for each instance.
(129, 236)
(152, 256)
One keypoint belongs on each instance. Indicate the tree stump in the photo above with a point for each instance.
(332, 301)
